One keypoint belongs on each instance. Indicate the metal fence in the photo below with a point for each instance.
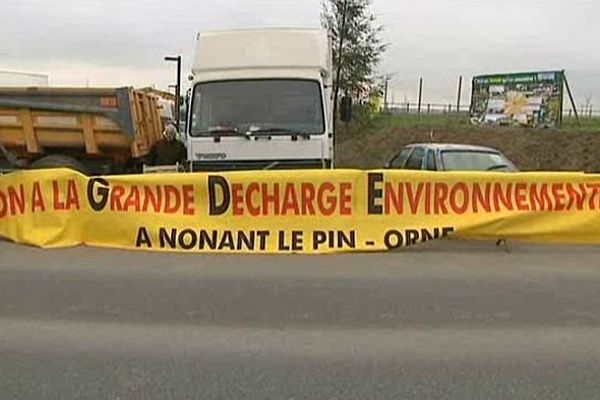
(426, 108)
(439, 108)
(584, 112)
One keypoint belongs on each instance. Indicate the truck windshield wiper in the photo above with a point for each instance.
(275, 130)
(223, 131)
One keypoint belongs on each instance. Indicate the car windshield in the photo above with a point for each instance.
(275, 106)
(469, 160)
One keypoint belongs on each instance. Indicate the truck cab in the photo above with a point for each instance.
(261, 99)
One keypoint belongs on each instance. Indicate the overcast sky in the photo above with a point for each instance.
(122, 42)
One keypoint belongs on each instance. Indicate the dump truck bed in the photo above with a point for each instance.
(85, 123)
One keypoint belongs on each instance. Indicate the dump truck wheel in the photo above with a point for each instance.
(58, 161)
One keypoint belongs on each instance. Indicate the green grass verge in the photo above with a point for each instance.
(452, 121)
(573, 147)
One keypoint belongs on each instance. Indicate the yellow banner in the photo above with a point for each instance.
(314, 211)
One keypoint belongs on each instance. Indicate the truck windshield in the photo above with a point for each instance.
(247, 107)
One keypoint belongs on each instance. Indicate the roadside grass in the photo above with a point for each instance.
(454, 121)
(573, 147)
(570, 123)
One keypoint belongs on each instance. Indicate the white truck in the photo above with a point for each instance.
(261, 99)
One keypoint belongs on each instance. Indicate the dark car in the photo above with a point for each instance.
(450, 157)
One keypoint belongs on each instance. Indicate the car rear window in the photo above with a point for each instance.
(457, 160)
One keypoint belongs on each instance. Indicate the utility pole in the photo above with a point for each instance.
(385, 93)
(420, 95)
(177, 59)
(460, 81)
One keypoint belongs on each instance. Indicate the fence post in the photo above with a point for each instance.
(460, 80)
(428, 108)
(420, 95)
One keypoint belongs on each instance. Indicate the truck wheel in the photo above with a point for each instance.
(58, 161)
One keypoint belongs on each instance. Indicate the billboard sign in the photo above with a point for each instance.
(527, 99)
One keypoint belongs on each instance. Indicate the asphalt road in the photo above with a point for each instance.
(443, 321)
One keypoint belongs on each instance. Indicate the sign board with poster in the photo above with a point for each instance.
(531, 99)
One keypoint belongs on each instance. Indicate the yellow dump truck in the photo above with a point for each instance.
(96, 131)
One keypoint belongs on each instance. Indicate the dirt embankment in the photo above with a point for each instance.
(555, 150)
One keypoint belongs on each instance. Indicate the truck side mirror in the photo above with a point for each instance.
(346, 109)
(188, 95)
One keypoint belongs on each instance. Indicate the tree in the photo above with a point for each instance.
(357, 45)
